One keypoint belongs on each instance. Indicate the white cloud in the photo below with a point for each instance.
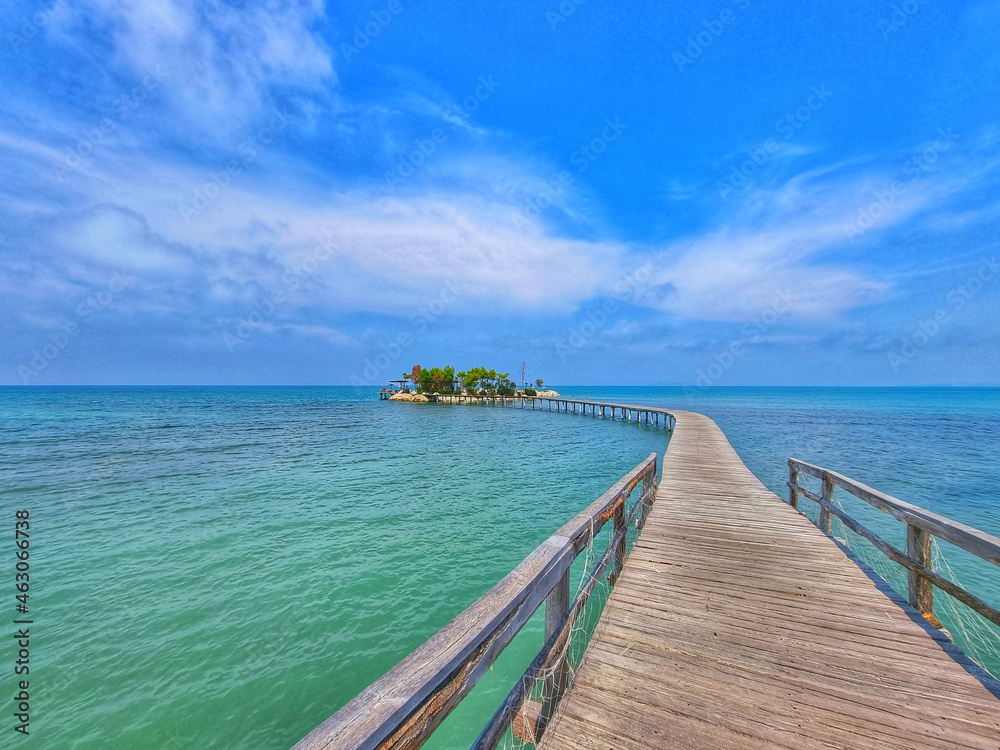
(330, 335)
(348, 251)
(737, 273)
(118, 238)
(787, 238)
(221, 62)
(391, 255)
(272, 231)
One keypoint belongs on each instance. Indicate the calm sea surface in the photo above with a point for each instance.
(225, 567)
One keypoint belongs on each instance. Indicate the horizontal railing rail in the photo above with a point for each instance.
(402, 708)
(921, 526)
(552, 659)
(650, 415)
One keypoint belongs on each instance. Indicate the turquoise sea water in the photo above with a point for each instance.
(225, 567)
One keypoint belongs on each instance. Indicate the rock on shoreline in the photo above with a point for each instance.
(419, 397)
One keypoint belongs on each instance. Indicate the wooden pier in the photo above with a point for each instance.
(735, 622)
(650, 415)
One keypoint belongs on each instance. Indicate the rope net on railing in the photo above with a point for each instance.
(978, 638)
(528, 724)
(973, 633)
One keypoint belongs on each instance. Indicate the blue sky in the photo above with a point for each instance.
(717, 193)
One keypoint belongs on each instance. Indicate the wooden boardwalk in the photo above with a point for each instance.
(738, 624)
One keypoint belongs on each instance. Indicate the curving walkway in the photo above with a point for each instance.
(738, 624)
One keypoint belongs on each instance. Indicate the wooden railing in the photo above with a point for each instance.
(921, 525)
(401, 709)
(648, 415)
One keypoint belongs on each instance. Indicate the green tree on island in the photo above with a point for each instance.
(506, 386)
(474, 381)
(435, 379)
(479, 379)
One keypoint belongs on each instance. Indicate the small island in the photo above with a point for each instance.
(424, 384)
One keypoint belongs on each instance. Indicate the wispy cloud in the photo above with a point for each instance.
(791, 235)
(231, 61)
(390, 253)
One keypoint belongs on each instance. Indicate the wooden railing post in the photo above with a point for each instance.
(648, 488)
(556, 609)
(918, 549)
(825, 518)
(557, 605)
(793, 478)
(621, 548)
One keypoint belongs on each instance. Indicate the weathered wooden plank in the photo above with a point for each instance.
(525, 722)
(970, 600)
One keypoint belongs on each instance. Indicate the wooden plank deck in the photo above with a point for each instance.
(738, 624)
